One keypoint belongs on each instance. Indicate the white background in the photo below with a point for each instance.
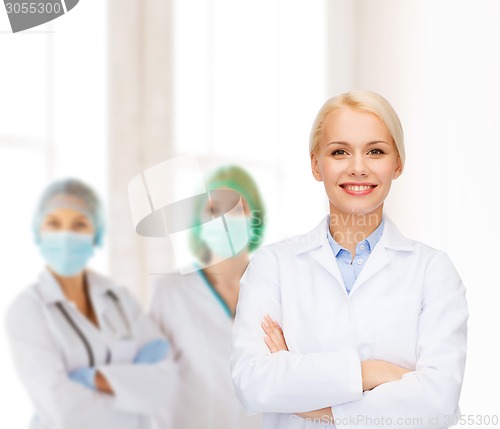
(249, 78)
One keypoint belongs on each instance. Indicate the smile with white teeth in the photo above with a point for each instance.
(358, 188)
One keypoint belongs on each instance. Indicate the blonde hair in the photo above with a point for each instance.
(365, 101)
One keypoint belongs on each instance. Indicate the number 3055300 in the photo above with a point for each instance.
(33, 8)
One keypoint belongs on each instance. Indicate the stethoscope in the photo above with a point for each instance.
(82, 336)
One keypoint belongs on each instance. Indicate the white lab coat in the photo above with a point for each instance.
(199, 330)
(46, 348)
(407, 307)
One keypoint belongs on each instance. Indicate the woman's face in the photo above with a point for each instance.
(357, 161)
(232, 238)
(66, 219)
(225, 200)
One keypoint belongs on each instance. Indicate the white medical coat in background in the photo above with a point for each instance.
(199, 330)
(46, 348)
(407, 307)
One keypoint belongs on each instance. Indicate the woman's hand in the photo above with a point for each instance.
(92, 379)
(102, 385)
(152, 352)
(274, 339)
(376, 372)
(324, 415)
(84, 376)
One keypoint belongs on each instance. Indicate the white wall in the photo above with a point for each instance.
(438, 63)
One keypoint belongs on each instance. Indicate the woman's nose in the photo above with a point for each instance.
(357, 166)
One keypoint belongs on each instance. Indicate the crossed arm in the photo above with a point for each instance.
(373, 372)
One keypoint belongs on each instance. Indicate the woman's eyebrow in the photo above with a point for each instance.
(342, 143)
(376, 142)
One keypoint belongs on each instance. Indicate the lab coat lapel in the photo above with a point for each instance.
(97, 290)
(391, 239)
(378, 259)
(49, 289)
(315, 243)
(325, 257)
(103, 304)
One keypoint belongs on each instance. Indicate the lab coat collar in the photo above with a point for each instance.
(316, 242)
(314, 239)
(51, 292)
(49, 289)
(391, 238)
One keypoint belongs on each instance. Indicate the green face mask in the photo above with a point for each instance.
(226, 244)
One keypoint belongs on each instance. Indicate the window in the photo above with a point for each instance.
(249, 79)
(53, 110)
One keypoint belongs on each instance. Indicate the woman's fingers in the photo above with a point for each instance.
(271, 329)
(270, 345)
(267, 339)
(275, 339)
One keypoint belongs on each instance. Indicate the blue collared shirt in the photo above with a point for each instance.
(349, 267)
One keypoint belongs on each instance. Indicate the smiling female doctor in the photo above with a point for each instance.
(352, 325)
(87, 355)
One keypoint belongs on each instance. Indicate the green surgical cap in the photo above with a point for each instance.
(240, 181)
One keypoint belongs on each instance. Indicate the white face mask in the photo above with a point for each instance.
(219, 241)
